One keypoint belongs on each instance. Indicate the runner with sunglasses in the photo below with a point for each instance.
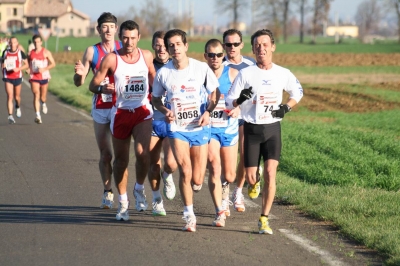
(186, 84)
(223, 144)
(233, 44)
(258, 91)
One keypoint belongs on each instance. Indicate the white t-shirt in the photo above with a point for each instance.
(267, 87)
(186, 94)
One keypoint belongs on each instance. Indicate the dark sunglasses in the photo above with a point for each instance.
(236, 44)
(212, 55)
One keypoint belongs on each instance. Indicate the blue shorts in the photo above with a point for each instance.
(241, 122)
(224, 139)
(14, 82)
(195, 138)
(159, 129)
(40, 81)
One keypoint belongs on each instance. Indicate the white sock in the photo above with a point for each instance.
(165, 175)
(156, 195)
(218, 209)
(43, 104)
(123, 197)
(139, 187)
(239, 189)
(37, 114)
(188, 210)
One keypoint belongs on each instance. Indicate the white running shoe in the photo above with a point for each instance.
(225, 206)
(220, 219)
(123, 212)
(141, 203)
(196, 188)
(11, 119)
(238, 200)
(44, 108)
(18, 112)
(169, 187)
(107, 201)
(190, 223)
(158, 207)
(38, 120)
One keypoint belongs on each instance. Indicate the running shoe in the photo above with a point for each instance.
(169, 187)
(18, 112)
(190, 223)
(238, 200)
(38, 120)
(254, 191)
(141, 203)
(158, 207)
(44, 108)
(107, 201)
(225, 206)
(225, 191)
(196, 188)
(263, 226)
(220, 219)
(11, 119)
(123, 212)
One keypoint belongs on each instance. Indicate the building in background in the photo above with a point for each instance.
(345, 31)
(58, 16)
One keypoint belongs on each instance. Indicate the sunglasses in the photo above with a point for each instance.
(236, 44)
(213, 55)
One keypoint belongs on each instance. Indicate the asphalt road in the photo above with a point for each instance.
(49, 210)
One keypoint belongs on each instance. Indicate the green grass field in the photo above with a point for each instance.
(324, 45)
(336, 166)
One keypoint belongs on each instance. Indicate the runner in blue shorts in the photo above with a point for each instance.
(223, 144)
(186, 84)
(159, 140)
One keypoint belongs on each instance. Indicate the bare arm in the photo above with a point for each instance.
(51, 62)
(214, 98)
(82, 68)
(157, 103)
(148, 57)
(107, 66)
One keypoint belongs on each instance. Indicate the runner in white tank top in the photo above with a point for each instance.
(133, 72)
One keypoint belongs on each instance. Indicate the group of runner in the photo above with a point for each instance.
(198, 113)
(37, 64)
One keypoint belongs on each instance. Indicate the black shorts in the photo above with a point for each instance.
(14, 82)
(261, 140)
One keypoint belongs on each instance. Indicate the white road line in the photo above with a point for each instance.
(88, 117)
(312, 247)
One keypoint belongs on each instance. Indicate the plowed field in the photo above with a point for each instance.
(329, 94)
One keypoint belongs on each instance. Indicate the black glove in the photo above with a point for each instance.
(245, 94)
(280, 113)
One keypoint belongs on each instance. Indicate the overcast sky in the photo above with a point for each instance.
(204, 9)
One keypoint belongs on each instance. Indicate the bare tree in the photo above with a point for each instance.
(152, 17)
(368, 17)
(302, 9)
(395, 4)
(285, 14)
(231, 6)
(320, 17)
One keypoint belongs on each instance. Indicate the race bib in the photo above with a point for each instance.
(187, 115)
(266, 102)
(135, 89)
(10, 63)
(36, 64)
(218, 117)
(106, 98)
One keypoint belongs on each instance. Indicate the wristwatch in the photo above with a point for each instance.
(99, 89)
(289, 108)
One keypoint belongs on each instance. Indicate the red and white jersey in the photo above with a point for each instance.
(102, 101)
(12, 60)
(131, 83)
(38, 60)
